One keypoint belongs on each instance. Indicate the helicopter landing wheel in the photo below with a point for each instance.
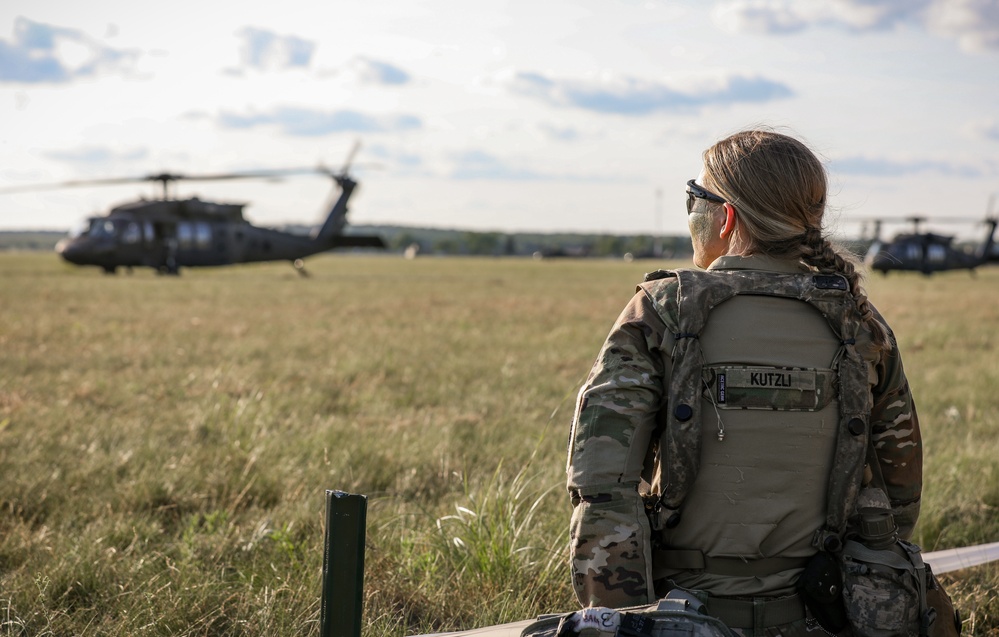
(300, 267)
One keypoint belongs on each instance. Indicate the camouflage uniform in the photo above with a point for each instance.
(611, 456)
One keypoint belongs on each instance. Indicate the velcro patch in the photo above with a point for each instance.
(830, 282)
(771, 388)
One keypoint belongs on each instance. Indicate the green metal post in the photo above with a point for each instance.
(343, 565)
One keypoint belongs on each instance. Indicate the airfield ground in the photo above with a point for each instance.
(165, 442)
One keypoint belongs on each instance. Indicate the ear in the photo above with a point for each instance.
(730, 221)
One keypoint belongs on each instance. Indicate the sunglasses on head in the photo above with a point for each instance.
(696, 192)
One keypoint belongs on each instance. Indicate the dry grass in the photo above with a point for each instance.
(165, 442)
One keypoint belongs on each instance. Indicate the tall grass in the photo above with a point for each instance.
(165, 442)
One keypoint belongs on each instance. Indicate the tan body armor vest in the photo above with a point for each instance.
(760, 457)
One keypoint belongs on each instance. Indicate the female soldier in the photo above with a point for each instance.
(740, 508)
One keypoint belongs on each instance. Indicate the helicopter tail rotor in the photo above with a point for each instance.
(350, 157)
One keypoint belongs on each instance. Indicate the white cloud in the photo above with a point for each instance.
(304, 122)
(761, 17)
(265, 50)
(876, 15)
(90, 155)
(623, 95)
(484, 165)
(45, 54)
(973, 23)
(478, 164)
(983, 129)
(887, 167)
(559, 133)
(369, 71)
(398, 160)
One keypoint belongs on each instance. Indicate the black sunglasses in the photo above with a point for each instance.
(696, 192)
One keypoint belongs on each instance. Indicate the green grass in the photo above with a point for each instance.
(165, 443)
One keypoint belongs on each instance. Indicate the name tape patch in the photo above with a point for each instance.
(773, 388)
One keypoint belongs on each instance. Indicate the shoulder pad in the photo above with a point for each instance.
(658, 274)
(661, 289)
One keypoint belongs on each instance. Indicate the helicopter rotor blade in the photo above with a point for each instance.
(73, 184)
(914, 219)
(276, 173)
(165, 178)
(350, 157)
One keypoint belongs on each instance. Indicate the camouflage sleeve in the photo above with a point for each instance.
(612, 428)
(897, 440)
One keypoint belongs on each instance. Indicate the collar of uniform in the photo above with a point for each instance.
(757, 262)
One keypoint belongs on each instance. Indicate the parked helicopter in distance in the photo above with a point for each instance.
(169, 233)
(926, 252)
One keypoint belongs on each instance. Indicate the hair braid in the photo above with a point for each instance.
(821, 254)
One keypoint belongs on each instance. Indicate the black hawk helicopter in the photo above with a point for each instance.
(927, 252)
(170, 233)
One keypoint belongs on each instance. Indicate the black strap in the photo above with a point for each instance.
(668, 560)
(759, 613)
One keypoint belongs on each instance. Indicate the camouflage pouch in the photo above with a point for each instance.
(882, 589)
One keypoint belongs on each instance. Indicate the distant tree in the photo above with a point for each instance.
(403, 240)
(482, 242)
(608, 246)
(446, 245)
(511, 246)
(677, 247)
(640, 245)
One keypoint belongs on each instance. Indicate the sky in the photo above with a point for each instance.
(518, 115)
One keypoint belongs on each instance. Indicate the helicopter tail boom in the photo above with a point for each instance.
(330, 235)
(989, 241)
(357, 241)
(337, 217)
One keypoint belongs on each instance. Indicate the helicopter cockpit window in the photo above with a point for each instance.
(131, 234)
(101, 228)
(913, 252)
(80, 229)
(202, 235)
(194, 236)
(148, 231)
(185, 235)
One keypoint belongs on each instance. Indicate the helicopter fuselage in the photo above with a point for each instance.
(918, 253)
(153, 234)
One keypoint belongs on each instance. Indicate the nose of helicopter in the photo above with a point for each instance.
(68, 250)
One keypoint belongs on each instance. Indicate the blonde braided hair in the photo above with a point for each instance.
(778, 188)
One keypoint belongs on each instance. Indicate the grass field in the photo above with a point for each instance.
(165, 443)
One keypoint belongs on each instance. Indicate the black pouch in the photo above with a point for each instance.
(821, 588)
(947, 621)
